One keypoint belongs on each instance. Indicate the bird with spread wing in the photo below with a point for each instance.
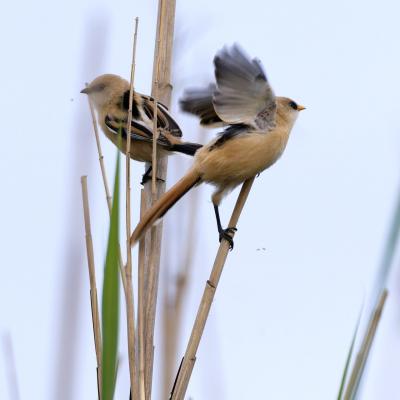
(257, 127)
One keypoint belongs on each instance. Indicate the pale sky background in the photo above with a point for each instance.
(311, 235)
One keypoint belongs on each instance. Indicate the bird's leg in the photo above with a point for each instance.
(147, 176)
(224, 233)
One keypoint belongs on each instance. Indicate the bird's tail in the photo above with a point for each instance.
(164, 203)
(186, 148)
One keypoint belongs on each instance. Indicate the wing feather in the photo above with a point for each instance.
(243, 94)
(200, 102)
(139, 131)
(164, 118)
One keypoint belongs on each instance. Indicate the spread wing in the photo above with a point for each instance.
(200, 102)
(243, 94)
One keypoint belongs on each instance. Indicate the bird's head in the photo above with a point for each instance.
(105, 88)
(289, 109)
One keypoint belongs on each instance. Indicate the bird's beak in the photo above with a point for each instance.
(300, 108)
(86, 90)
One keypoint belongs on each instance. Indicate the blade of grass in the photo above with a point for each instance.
(363, 353)
(378, 296)
(389, 252)
(105, 183)
(349, 357)
(110, 304)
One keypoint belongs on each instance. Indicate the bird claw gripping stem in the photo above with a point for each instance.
(227, 235)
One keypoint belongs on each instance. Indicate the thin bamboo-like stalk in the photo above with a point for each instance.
(174, 303)
(105, 183)
(150, 310)
(362, 355)
(92, 279)
(153, 267)
(100, 153)
(130, 308)
(155, 130)
(141, 307)
(161, 89)
(206, 301)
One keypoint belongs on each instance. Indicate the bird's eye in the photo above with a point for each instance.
(293, 105)
(99, 87)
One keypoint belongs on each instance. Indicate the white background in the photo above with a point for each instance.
(310, 238)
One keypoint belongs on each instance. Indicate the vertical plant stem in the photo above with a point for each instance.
(155, 130)
(206, 301)
(362, 355)
(105, 183)
(92, 279)
(174, 304)
(110, 299)
(100, 153)
(141, 302)
(348, 359)
(162, 90)
(150, 310)
(130, 308)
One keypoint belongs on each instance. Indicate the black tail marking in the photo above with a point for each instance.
(186, 148)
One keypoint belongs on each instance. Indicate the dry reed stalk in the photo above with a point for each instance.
(92, 279)
(150, 308)
(189, 359)
(162, 89)
(100, 153)
(105, 183)
(130, 308)
(362, 355)
(153, 269)
(141, 308)
(155, 130)
(173, 306)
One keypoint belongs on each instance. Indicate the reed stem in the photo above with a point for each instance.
(130, 307)
(92, 280)
(189, 359)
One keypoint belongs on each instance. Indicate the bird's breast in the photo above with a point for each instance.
(241, 157)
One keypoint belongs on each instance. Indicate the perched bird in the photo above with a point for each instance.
(110, 96)
(257, 123)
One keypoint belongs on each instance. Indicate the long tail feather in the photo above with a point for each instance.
(164, 203)
(186, 148)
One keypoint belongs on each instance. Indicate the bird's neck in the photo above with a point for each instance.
(285, 119)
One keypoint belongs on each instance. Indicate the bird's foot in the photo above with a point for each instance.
(227, 235)
(146, 178)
